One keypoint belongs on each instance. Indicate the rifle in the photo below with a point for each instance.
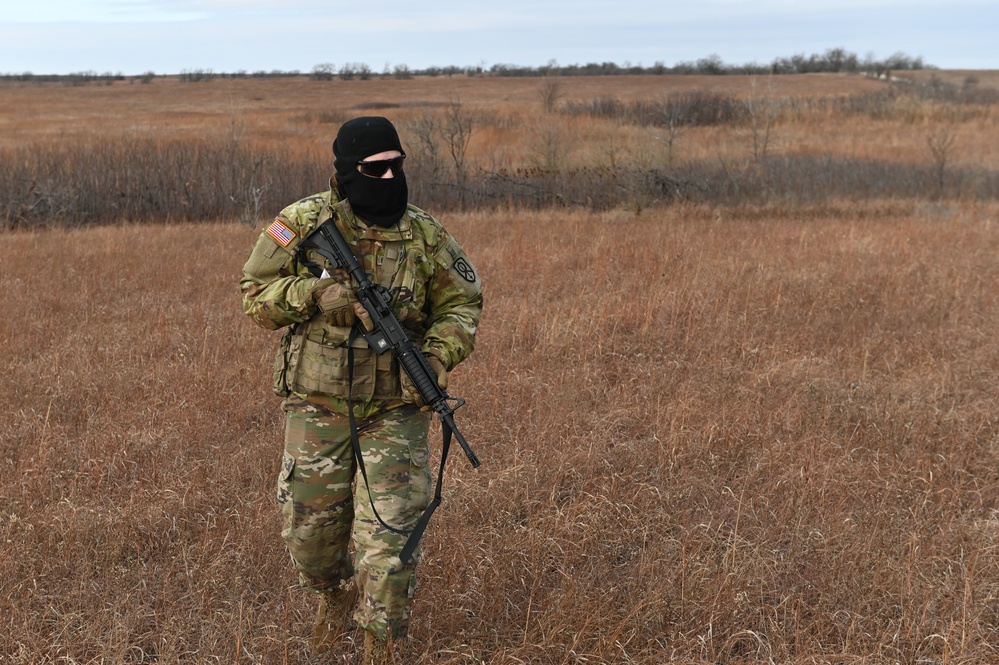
(389, 335)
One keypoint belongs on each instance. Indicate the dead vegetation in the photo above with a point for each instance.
(711, 436)
(710, 433)
(242, 148)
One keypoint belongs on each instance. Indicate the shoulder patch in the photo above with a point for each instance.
(280, 232)
(464, 269)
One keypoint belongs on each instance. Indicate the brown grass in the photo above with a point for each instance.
(275, 107)
(239, 148)
(299, 114)
(708, 436)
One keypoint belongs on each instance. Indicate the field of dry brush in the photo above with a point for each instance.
(240, 148)
(709, 434)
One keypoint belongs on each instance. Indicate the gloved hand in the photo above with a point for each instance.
(363, 315)
(336, 301)
(319, 286)
(409, 392)
(437, 365)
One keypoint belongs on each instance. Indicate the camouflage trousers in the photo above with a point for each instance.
(325, 505)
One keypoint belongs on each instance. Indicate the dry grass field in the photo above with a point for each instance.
(301, 115)
(734, 435)
(278, 109)
(240, 148)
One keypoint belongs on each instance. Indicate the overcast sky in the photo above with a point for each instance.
(170, 36)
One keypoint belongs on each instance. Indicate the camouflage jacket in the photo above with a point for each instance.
(436, 295)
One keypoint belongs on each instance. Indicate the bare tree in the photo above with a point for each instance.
(248, 179)
(426, 127)
(323, 71)
(940, 143)
(457, 132)
(675, 112)
(763, 114)
(347, 71)
(548, 146)
(253, 193)
(551, 93)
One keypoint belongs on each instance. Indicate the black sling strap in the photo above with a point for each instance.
(416, 533)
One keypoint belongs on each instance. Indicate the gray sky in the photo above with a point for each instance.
(170, 36)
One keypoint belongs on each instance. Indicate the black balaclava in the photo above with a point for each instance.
(379, 201)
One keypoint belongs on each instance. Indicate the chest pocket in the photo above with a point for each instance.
(388, 260)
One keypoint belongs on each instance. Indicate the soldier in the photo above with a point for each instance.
(322, 370)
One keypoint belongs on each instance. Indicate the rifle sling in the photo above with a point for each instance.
(416, 533)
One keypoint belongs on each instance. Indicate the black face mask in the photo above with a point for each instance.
(378, 201)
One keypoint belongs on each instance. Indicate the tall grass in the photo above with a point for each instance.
(709, 436)
(133, 179)
(183, 180)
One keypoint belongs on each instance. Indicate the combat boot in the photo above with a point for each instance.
(380, 652)
(333, 620)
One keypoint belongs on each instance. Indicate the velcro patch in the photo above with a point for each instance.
(464, 268)
(280, 232)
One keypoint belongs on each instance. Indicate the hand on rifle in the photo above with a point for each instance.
(339, 304)
(409, 392)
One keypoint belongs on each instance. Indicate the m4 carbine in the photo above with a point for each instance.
(389, 335)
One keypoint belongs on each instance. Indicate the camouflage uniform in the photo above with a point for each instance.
(437, 298)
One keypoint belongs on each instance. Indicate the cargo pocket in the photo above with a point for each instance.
(286, 497)
(418, 487)
(287, 352)
(284, 489)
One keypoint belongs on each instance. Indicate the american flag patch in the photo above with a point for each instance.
(280, 232)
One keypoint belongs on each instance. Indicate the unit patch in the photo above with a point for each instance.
(280, 232)
(464, 268)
